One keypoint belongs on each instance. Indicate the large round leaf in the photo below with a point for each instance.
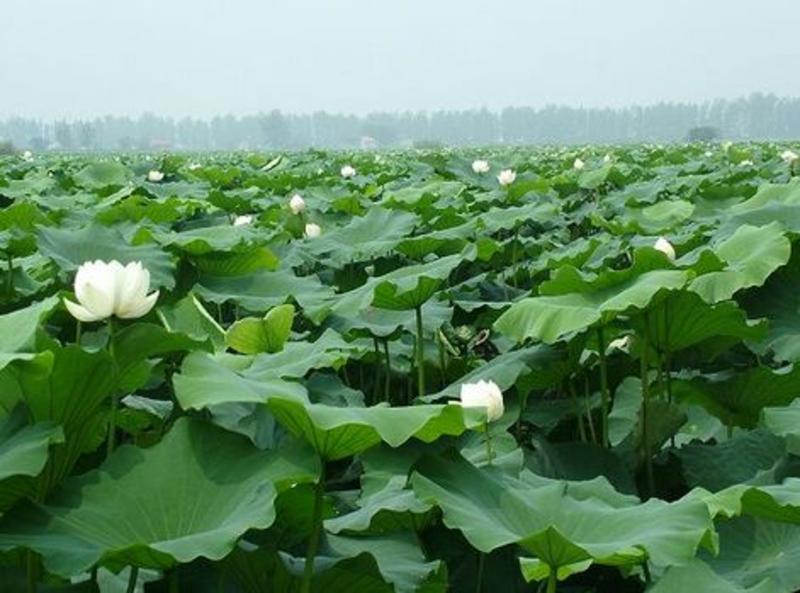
(192, 495)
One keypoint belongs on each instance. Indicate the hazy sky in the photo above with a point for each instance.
(79, 58)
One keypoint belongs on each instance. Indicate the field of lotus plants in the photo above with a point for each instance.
(499, 370)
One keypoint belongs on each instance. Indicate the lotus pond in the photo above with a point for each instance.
(500, 370)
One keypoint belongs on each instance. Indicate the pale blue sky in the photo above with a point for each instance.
(80, 58)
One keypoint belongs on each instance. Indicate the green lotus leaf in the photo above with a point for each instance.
(188, 316)
(570, 303)
(251, 335)
(70, 248)
(737, 399)
(563, 524)
(102, 175)
(192, 495)
(18, 330)
(337, 432)
(751, 254)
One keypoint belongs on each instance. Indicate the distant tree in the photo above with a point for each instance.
(703, 134)
(7, 147)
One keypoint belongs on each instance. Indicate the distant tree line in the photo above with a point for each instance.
(759, 116)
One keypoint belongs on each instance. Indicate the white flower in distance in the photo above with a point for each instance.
(578, 164)
(726, 146)
(607, 159)
(789, 156)
(27, 155)
(506, 177)
(297, 204)
(746, 163)
(480, 167)
(243, 220)
(483, 394)
(348, 171)
(155, 176)
(105, 289)
(313, 230)
(194, 166)
(665, 247)
(708, 154)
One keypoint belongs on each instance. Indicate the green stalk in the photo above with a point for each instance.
(316, 530)
(552, 581)
(601, 345)
(10, 277)
(174, 585)
(481, 562)
(388, 385)
(420, 351)
(442, 361)
(587, 397)
(648, 461)
(514, 259)
(376, 383)
(489, 449)
(132, 579)
(578, 412)
(112, 421)
(30, 562)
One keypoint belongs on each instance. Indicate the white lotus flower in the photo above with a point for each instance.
(607, 159)
(746, 163)
(726, 146)
(578, 164)
(105, 289)
(708, 154)
(789, 156)
(313, 230)
(665, 247)
(483, 394)
(194, 166)
(623, 343)
(506, 177)
(480, 166)
(27, 155)
(297, 204)
(348, 171)
(243, 220)
(155, 176)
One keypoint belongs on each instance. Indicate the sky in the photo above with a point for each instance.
(200, 58)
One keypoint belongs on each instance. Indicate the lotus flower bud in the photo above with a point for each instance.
(313, 230)
(105, 289)
(506, 177)
(155, 176)
(297, 204)
(483, 394)
(243, 220)
(665, 247)
(578, 164)
(348, 171)
(789, 156)
(480, 167)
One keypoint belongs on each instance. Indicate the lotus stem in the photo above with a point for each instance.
(10, 277)
(552, 580)
(587, 399)
(376, 385)
(514, 258)
(174, 584)
(489, 449)
(30, 566)
(388, 384)
(112, 420)
(316, 530)
(132, 578)
(479, 579)
(578, 412)
(420, 351)
(648, 461)
(601, 346)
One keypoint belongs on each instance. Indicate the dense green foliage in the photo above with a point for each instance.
(284, 418)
